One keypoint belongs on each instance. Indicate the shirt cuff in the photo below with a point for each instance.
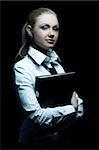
(80, 101)
(69, 109)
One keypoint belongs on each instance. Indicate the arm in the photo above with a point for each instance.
(25, 86)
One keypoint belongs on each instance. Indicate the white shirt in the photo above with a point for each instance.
(26, 71)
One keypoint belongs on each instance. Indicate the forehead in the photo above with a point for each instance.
(46, 18)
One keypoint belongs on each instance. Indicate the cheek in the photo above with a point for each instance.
(38, 37)
(56, 37)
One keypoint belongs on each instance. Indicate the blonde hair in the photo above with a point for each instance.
(26, 39)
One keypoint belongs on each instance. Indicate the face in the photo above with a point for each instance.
(46, 31)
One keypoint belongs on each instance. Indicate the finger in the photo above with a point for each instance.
(74, 94)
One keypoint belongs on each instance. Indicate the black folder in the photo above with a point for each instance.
(56, 90)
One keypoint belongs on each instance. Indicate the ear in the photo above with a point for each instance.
(29, 30)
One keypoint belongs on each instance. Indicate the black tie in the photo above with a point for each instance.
(51, 70)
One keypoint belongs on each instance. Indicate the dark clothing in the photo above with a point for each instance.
(31, 136)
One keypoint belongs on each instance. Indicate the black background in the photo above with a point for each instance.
(77, 49)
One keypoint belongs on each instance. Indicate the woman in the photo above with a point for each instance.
(39, 36)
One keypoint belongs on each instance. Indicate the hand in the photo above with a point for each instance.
(77, 104)
(74, 100)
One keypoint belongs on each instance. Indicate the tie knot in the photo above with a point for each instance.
(49, 60)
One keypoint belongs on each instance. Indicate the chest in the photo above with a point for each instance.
(40, 70)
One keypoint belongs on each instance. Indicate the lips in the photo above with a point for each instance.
(51, 41)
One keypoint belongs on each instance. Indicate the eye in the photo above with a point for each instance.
(56, 28)
(44, 27)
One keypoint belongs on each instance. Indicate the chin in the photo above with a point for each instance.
(50, 46)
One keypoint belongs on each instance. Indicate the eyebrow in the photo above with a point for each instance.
(45, 24)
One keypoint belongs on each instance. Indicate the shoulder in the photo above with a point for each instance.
(23, 70)
(25, 63)
(25, 67)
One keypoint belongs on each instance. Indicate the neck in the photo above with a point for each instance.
(44, 51)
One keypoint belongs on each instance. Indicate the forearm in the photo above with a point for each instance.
(51, 116)
(42, 116)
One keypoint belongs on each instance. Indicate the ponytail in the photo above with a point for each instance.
(25, 40)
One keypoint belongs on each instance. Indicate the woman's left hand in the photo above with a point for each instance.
(77, 104)
(74, 100)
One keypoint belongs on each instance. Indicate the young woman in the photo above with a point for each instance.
(39, 36)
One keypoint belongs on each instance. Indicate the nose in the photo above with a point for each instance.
(51, 32)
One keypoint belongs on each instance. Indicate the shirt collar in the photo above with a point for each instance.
(39, 57)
